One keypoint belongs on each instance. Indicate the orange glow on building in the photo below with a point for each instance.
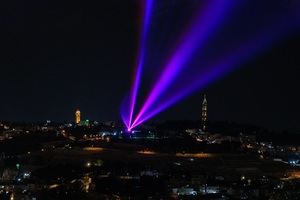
(77, 116)
(292, 175)
(146, 152)
(94, 149)
(194, 155)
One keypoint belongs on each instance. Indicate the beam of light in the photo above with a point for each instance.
(228, 63)
(147, 7)
(201, 30)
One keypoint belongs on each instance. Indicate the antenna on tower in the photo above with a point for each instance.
(204, 114)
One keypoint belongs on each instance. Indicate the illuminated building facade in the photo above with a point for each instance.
(204, 114)
(77, 116)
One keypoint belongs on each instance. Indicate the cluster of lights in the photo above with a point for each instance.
(206, 23)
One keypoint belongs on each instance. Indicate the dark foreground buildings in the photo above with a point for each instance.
(172, 160)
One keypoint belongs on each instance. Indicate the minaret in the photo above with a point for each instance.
(77, 116)
(204, 114)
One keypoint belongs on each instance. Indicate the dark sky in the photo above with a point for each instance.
(57, 56)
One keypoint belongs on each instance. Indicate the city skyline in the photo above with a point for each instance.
(39, 76)
(150, 99)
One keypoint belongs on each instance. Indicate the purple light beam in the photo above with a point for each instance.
(223, 67)
(204, 26)
(147, 7)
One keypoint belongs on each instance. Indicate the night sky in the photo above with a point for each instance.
(57, 56)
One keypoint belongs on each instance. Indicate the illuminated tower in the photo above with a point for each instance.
(204, 113)
(77, 116)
